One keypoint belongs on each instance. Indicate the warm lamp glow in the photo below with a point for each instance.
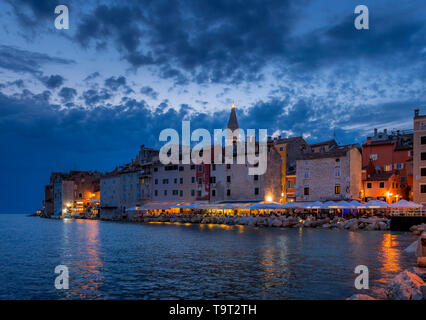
(269, 198)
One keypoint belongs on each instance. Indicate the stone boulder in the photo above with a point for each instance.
(277, 223)
(405, 286)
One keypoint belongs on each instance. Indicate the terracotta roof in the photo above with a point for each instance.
(331, 142)
(321, 155)
(379, 176)
(336, 151)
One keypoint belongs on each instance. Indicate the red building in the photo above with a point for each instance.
(386, 152)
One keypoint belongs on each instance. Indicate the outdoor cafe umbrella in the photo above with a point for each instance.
(376, 204)
(404, 204)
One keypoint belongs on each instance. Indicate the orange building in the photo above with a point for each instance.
(383, 186)
(389, 158)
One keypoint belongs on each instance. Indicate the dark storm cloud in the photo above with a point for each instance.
(114, 83)
(387, 42)
(67, 94)
(31, 12)
(53, 81)
(92, 76)
(93, 97)
(24, 61)
(231, 42)
(150, 92)
(212, 40)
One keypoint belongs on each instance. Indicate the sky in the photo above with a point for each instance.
(87, 97)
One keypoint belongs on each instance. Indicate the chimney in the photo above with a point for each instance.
(416, 112)
(375, 131)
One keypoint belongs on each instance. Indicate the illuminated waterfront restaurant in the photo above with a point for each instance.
(385, 186)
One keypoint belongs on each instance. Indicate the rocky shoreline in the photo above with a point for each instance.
(409, 284)
(277, 221)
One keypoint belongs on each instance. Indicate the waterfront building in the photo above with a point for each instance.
(389, 152)
(383, 186)
(146, 155)
(121, 189)
(66, 189)
(419, 158)
(289, 149)
(232, 182)
(332, 173)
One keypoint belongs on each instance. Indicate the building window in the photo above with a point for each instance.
(369, 185)
(423, 156)
(256, 191)
(337, 172)
(192, 192)
(228, 179)
(213, 167)
(155, 192)
(256, 177)
(337, 189)
(410, 153)
(306, 191)
(399, 166)
(155, 169)
(192, 166)
(381, 184)
(212, 179)
(337, 160)
(423, 140)
(403, 179)
(199, 193)
(281, 149)
(181, 168)
(306, 173)
(228, 192)
(423, 188)
(200, 168)
(228, 166)
(175, 180)
(388, 167)
(200, 181)
(373, 156)
(213, 193)
(181, 180)
(175, 192)
(165, 192)
(192, 179)
(181, 193)
(423, 172)
(165, 181)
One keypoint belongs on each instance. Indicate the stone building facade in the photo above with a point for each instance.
(330, 175)
(419, 158)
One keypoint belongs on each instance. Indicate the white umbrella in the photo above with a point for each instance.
(376, 204)
(405, 204)
(289, 205)
(355, 204)
(329, 204)
(265, 205)
(314, 205)
(342, 204)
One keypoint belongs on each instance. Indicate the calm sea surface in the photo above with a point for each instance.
(110, 260)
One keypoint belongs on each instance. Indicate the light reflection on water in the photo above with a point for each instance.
(169, 261)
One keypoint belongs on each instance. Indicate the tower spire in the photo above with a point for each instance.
(233, 123)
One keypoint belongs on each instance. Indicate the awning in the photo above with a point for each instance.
(404, 204)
